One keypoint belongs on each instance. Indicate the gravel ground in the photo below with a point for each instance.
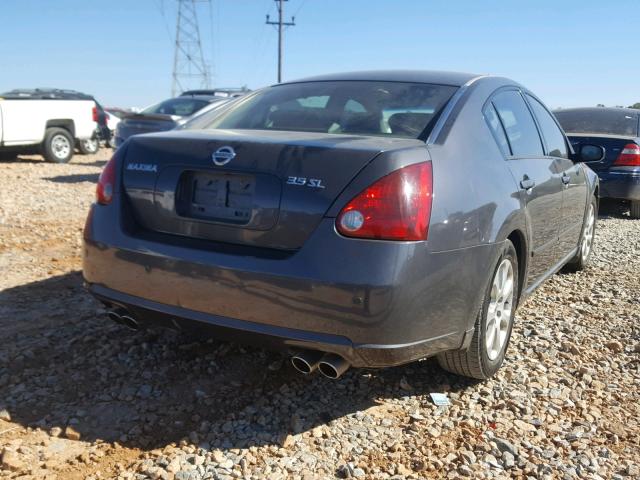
(81, 397)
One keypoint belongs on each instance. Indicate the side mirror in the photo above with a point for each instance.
(591, 153)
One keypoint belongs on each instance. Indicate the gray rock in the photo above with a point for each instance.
(508, 459)
(506, 446)
(358, 472)
(465, 471)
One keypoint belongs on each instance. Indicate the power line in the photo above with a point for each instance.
(160, 5)
(299, 8)
(281, 24)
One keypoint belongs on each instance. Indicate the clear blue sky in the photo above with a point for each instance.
(569, 52)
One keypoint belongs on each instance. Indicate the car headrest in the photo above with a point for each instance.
(364, 123)
(293, 119)
(409, 124)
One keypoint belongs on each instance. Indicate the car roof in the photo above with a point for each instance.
(416, 76)
(228, 92)
(47, 93)
(589, 110)
(210, 98)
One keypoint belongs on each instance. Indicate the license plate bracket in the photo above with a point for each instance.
(225, 198)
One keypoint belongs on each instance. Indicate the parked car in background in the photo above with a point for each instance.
(101, 133)
(204, 117)
(218, 92)
(163, 116)
(617, 131)
(363, 219)
(113, 119)
(42, 122)
(84, 145)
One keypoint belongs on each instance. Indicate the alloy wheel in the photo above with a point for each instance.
(587, 235)
(500, 309)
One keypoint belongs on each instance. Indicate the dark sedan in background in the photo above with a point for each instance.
(164, 116)
(617, 131)
(364, 219)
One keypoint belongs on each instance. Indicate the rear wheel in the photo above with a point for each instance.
(493, 325)
(57, 146)
(634, 209)
(89, 146)
(585, 247)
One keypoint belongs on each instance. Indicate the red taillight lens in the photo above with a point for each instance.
(106, 183)
(396, 207)
(629, 156)
(94, 114)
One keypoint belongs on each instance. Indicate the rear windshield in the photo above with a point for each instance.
(608, 122)
(183, 106)
(395, 109)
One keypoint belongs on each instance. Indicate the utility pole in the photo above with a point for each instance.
(188, 60)
(281, 24)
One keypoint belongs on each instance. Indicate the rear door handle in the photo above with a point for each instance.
(527, 183)
(566, 179)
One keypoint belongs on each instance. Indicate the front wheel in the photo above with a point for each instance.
(57, 146)
(585, 247)
(634, 209)
(493, 325)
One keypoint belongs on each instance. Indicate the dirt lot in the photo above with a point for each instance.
(81, 397)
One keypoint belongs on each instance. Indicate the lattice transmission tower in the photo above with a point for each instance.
(189, 67)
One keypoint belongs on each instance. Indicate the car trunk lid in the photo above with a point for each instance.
(272, 193)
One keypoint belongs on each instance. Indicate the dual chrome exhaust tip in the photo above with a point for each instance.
(328, 364)
(306, 362)
(121, 316)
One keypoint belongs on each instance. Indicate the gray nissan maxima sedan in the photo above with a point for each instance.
(363, 219)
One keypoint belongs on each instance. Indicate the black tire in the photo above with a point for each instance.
(8, 156)
(57, 146)
(89, 146)
(475, 362)
(634, 209)
(580, 261)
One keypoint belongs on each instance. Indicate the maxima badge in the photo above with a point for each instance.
(223, 155)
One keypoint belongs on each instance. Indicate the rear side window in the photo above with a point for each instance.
(498, 132)
(519, 124)
(599, 120)
(553, 136)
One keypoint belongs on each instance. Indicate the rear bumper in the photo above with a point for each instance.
(619, 185)
(148, 313)
(377, 304)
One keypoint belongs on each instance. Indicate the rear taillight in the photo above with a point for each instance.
(94, 114)
(629, 156)
(106, 183)
(396, 207)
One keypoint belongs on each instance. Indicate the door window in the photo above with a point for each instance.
(518, 123)
(553, 136)
(493, 121)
